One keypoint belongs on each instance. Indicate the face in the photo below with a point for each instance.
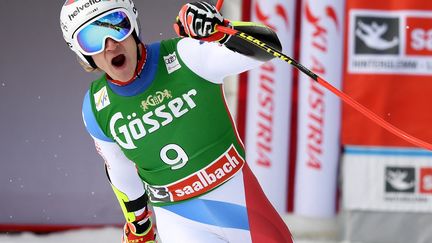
(119, 59)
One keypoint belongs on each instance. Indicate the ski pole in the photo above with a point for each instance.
(219, 4)
(346, 98)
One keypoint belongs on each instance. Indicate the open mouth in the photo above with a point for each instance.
(119, 60)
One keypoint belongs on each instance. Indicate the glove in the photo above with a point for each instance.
(142, 230)
(198, 20)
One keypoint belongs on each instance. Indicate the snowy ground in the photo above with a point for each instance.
(304, 230)
(106, 235)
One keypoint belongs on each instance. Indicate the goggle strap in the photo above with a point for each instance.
(90, 61)
(136, 37)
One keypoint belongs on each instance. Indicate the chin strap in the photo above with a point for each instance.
(90, 61)
(139, 56)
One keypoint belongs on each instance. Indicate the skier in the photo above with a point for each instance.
(159, 119)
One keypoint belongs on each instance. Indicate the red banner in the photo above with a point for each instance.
(389, 69)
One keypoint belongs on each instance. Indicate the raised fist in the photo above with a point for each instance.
(199, 20)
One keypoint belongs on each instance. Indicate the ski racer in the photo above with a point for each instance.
(159, 119)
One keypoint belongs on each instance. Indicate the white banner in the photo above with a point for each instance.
(387, 179)
(408, 52)
(269, 105)
(318, 144)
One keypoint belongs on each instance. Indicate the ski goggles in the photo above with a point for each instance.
(90, 38)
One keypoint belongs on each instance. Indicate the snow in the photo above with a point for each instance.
(304, 229)
(106, 235)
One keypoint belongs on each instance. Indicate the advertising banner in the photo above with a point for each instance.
(387, 179)
(388, 69)
(269, 105)
(318, 142)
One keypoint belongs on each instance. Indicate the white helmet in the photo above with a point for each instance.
(76, 13)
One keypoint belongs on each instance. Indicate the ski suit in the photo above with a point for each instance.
(168, 137)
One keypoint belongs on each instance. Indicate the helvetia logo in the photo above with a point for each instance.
(400, 179)
(375, 35)
(81, 8)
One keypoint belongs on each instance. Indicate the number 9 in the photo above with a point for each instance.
(179, 161)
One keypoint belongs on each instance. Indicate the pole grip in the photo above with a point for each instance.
(226, 30)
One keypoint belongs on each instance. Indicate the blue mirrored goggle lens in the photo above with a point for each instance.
(115, 25)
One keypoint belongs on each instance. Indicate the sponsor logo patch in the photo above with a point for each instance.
(377, 35)
(206, 179)
(101, 99)
(156, 99)
(172, 63)
(390, 42)
(128, 128)
(400, 179)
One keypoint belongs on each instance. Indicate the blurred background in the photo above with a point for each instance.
(50, 172)
(332, 174)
